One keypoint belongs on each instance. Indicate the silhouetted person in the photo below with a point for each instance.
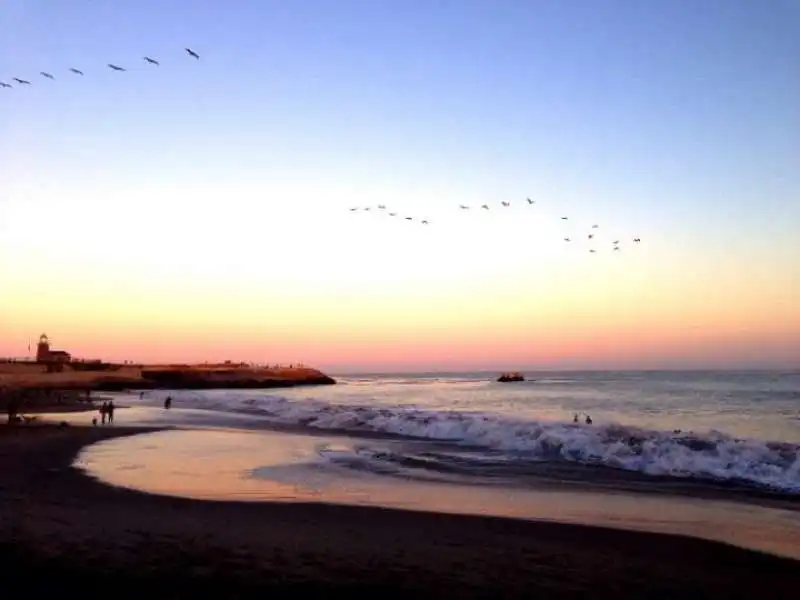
(110, 409)
(168, 402)
(575, 418)
(588, 420)
(103, 411)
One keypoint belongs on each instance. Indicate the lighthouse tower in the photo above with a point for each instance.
(43, 349)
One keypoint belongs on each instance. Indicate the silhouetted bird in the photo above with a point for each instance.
(530, 201)
(506, 203)
(616, 242)
(44, 74)
(76, 71)
(392, 214)
(192, 53)
(409, 219)
(115, 67)
(463, 207)
(3, 84)
(485, 206)
(591, 235)
(152, 61)
(595, 226)
(592, 251)
(21, 81)
(352, 209)
(616, 247)
(567, 240)
(382, 206)
(424, 222)
(564, 218)
(637, 240)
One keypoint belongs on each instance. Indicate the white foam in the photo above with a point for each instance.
(708, 455)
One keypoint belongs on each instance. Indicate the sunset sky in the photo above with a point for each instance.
(199, 210)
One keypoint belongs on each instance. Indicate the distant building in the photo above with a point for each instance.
(45, 355)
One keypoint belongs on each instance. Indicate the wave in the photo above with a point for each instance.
(712, 455)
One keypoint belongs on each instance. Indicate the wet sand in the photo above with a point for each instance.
(63, 532)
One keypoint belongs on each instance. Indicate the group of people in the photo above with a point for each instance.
(106, 413)
(588, 419)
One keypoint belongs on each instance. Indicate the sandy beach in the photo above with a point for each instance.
(61, 531)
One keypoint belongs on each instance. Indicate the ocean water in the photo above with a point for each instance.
(733, 430)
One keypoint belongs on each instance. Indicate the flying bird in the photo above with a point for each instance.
(152, 61)
(461, 206)
(567, 240)
(616, 247)
(5, 85)
(592, 250)
(48, 75)
(506, 203)
(76, 71)
(637, 240)
(21, 81)
(485, 206)
(616, 242)
(564, 218)
(382, 206)
(192, 53)
(392, 214)
(424, 222)
(354, 208)
(115, 67)
(591, 235)
(367, 207)
(595, 226)
(530, 201)
(409, 219)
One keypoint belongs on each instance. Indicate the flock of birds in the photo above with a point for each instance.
(149, 60)
(590, 235)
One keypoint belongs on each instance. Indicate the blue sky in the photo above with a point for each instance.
(677, 121)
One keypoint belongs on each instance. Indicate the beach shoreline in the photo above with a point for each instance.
(63, 530)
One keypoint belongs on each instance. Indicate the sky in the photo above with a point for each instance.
(199, 209)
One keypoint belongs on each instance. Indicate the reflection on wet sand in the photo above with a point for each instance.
(257, 466)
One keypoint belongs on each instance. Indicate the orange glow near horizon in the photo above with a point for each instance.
(644, 312)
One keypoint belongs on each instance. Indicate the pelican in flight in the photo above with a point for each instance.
(564, 218)
(616, 242)
(353, 209)
(485, 206)
(45, 74)
(592, 250)
(409, 218)
(115, 67)
(192, 53)
(616, 248)
(595, 226)
(392, 214)
(591, 235)
(424, 222)
(637, 240)
(152, 61)
(76, 71)
(367, 207)
(506, 203)
(3, 84)
(567, 239)
(461, 206)
(530, 201)
(21, 81)
(382, 206)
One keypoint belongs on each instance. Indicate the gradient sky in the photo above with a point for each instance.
(199, 210)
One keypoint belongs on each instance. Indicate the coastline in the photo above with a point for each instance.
(80, 532)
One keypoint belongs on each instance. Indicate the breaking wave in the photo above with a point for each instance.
(710, 455)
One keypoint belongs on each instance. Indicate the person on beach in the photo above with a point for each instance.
(575, 418)
(103, 412)
(110, 409)
(168, 402)
(588, 420)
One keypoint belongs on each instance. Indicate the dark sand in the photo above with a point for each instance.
(63, 533)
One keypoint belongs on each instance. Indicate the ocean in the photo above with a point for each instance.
(740, 429)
